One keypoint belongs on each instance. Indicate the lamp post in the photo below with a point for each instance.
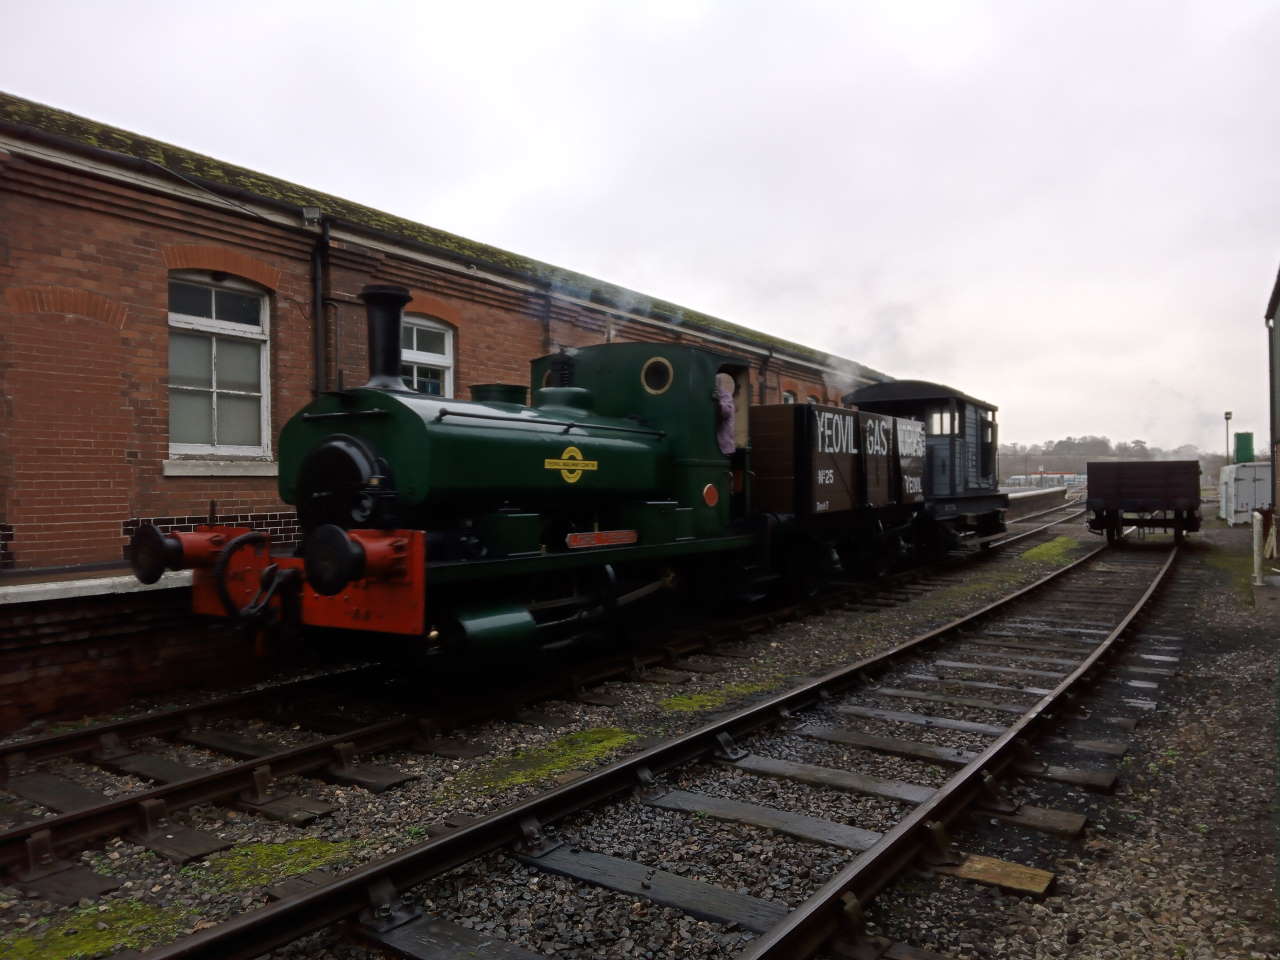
(1227, 425)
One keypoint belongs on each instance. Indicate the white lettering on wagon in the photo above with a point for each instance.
(877, 437)
(837, 433)
(910, 438)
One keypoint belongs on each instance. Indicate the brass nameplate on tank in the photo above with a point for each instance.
(571, 464)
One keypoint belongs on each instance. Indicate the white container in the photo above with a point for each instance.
(1243, 488)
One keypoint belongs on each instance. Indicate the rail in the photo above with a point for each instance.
(811, 924)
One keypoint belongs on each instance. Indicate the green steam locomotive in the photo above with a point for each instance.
(498, 528)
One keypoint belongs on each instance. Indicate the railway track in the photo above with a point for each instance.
(949, 684)
(321, 698)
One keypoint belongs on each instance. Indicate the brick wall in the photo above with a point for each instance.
(84, 267)
(65, 658)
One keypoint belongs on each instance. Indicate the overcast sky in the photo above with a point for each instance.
(1067, 208)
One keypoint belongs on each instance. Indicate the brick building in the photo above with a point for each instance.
(162, 314)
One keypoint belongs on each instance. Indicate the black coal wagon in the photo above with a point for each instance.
(1154, 494)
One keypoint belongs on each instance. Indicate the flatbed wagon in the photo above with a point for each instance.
(1152, 494)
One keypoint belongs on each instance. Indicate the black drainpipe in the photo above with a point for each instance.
(764, 366)
(319, 271)
(546, 320)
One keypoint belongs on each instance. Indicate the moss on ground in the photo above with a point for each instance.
(260, 864)
(978, 585)
(91, 931)
(570, 752)
(1056, 551)
(1238, 566)
(711, 699)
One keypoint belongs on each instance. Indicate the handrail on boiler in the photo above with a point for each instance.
(567, 424)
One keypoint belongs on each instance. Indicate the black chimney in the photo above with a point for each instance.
(385, 304)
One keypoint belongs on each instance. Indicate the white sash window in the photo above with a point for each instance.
(219, 393)
(426, 355)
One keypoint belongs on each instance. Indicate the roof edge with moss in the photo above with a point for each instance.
(25, 117)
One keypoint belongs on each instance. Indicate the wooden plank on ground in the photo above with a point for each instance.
(661, 675)
(1028, 657)
(1136, 684)
(922, 720)
(1148, 671)
(1112, 748)
(996, 668)
(945, 698)
(1102, 780)
(1124, 723)
(1062, 822)
(56, 793)
(999, 873)
(697, 666)
(1025, 645)
(976, 684)
(704, 901)
(835, 779)
(430, 938)
(231, 744)
(906, 748)
(151, 766)
(735, 651)
(1093, 779)
(597, 698)
(783, 821)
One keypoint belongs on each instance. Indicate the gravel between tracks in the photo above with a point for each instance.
(579, 925)
(1181, 861)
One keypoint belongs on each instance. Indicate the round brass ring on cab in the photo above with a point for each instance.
(710, 495)
(656, 376)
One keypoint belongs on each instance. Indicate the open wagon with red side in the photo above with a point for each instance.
(1153, 494)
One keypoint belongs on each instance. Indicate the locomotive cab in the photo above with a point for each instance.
(677, 390)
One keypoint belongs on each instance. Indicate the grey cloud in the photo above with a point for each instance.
(1068, 209)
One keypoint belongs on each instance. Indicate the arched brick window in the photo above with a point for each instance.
(426, 354)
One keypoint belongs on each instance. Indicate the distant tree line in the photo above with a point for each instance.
(1070, 454)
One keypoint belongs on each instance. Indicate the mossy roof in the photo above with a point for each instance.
(19, 114)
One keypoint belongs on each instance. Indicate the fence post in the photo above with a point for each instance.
(1257, 548)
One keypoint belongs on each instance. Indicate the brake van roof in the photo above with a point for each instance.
(904, 390)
